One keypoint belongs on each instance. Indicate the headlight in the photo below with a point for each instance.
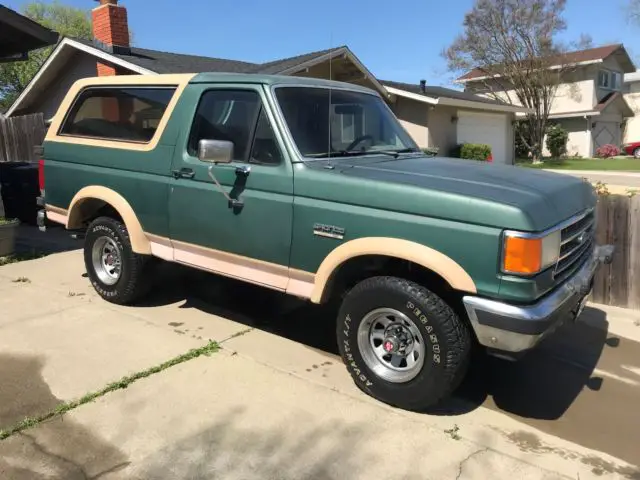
(526, 254)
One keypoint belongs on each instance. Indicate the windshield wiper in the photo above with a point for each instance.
(357, 153)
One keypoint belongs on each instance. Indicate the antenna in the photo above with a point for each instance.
(329, 109)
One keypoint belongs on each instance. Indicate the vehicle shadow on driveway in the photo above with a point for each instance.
(542, 385)
(545, 382)
(554, 388)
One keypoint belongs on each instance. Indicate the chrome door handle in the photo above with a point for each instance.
(183, 173)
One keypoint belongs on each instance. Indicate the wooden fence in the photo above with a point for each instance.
(18, 136)
(618, 284)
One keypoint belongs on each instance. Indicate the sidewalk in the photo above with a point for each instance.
(616, 173)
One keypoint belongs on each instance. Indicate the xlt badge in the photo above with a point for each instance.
(329, 231)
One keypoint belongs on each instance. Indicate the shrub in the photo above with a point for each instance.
(607, 151)
(475, 151)
(557, 138)
(430, 151)
(522, 130)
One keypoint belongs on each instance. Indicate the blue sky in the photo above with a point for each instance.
(397, 40)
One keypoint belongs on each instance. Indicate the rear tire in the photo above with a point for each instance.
(636, 153)
(118, 274)
(401, 343)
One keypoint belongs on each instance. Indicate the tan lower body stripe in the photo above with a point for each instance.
(278, 277)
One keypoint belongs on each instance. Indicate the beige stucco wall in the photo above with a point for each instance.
(413, 116)
(80, 65)
(442, 131)
(579, 137)
(576, 95)
(579, 91)
(632, 96)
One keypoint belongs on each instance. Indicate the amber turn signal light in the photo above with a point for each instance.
(522, 255)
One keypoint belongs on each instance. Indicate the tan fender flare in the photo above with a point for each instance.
(139, 241)
(414, 252)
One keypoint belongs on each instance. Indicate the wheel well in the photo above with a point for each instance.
(89, 209)
(357, 269)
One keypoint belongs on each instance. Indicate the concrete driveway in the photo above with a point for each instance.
(276, 402)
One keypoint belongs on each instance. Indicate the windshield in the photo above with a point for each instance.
(327, 122)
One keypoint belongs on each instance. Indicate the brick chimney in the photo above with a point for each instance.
(110, 32)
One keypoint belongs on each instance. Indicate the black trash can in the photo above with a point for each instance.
(20, 190)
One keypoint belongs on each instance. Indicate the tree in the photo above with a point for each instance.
(634, 10)
(513, 45)
(67, 21)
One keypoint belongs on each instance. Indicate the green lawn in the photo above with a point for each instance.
(622, 164)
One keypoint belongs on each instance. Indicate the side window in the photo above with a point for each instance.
(125, 114)
(225, 115)
(265, 148)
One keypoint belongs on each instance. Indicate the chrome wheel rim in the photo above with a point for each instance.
(391, 345)
(107, 260)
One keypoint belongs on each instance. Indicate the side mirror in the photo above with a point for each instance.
(215, 151)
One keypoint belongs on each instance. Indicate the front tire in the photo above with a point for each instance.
(636, 153)
(117, 273)
(401, 343)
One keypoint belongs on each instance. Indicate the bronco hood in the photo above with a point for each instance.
(479, 192)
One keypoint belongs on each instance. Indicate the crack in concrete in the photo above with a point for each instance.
(52, 455)
(469, 457)
(113, 469)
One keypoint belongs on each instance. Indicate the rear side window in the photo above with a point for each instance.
(125, 114)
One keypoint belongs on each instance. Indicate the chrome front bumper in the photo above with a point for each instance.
(513, 328)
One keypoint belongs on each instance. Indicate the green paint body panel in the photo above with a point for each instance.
(457, 207)
(199, 213)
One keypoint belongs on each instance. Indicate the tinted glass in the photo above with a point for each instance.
(265, 146)
(226, 115)
(129, 114)
(326, 122)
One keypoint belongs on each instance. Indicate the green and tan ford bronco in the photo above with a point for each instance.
(313, 188)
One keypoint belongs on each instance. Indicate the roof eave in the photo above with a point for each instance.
(553, 67)
(584, 113)
(41, 36)
(456, 102)
(69, 43)
(333, 54)
(413, 96)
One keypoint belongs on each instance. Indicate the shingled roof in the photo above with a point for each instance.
(168, 62)
(438, 92)
(575, 57)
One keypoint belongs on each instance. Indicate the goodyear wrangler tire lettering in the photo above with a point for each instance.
(447, 341)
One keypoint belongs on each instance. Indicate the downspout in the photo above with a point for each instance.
(589, 135)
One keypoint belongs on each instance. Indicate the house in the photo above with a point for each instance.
(434, 116)
(443, 118)
(590, 103)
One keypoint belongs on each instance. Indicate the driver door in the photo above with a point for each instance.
(251, 241)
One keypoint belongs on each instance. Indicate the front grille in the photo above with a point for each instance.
(577, 243)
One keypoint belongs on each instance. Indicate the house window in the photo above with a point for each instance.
(609, 80)
(124, 114)
(616, 80)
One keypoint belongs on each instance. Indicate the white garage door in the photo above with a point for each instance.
(486, 128)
